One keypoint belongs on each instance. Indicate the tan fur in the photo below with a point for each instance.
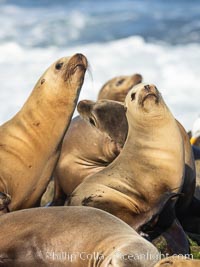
(178, 261)
(118, 87)
(149, 168)
(30, 142)
(64, 236)
(85, 150)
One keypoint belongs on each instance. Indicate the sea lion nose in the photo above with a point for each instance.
(82, 59)
(150, 88)
(84, 106)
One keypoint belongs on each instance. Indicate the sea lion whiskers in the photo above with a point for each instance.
(78, 61)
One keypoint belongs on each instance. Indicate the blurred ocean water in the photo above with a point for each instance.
(159, 39)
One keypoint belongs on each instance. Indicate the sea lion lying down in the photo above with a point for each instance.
(72, 237)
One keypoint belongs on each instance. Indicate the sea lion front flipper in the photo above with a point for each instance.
(173, 240)
(165, 231)
(59, 196)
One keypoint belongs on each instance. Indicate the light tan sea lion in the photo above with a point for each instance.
(178, 261)
(118, 87)
(93, 112)
(72, 237)
(149, 169)
(30, 142)
(85, 150)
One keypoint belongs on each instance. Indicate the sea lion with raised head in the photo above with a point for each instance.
(30, 142)
(94, 113)
(118, 87)
(148, 171)
(72, 237)
(178, 261)
(85, 150)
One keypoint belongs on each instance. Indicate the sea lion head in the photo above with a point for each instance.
(118, 87)
(144, 101)
(5, 200)
(67, 72)
(106, 115)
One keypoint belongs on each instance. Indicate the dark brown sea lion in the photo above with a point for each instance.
(72, 237)
(30, 142)
(87, 150)
(118, 87)
(148, 170)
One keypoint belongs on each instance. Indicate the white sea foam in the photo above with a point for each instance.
(174, 69)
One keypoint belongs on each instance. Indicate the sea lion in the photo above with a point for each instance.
(149, 169)
(30, 142)
(178, 261)
(75, 237)
(85, 150)
(118, 87)
(94, 112)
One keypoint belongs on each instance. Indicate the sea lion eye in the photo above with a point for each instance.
(119, 82)
(92, 121)
(59, 65)
(133, 96)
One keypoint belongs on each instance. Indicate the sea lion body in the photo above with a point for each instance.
(149, 169)
(178, 261)
(85, 151)
(75, 237)
(94, 112)
(30, 142)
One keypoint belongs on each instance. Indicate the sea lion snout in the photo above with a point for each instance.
(150, 88)
(79, 60)
(142, 91)
(149, 92)
(84, 106)
(85, 110)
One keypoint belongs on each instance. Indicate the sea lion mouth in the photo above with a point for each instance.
(77, 63)
(82, 62)
(150, 95)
